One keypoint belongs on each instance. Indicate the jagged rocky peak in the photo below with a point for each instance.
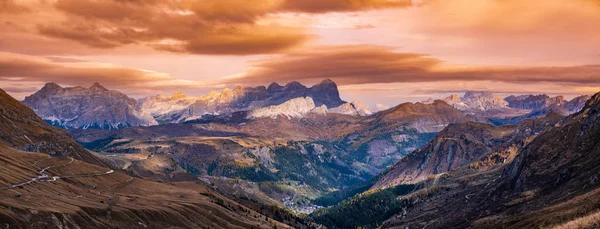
(476, 101)
(545, 102)
(49, 87)
(93, 107)
(295, 85)
(274, 87)
(97, 87)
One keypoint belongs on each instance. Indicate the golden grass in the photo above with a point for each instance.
(588, 221)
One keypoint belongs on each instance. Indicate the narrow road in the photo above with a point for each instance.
(46, 178)
(49, 167)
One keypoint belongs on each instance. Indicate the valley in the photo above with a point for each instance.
(302, 166)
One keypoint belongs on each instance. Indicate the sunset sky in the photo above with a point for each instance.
(378, 51)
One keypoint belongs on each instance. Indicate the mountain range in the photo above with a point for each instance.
(98, 107)
(50, 181)
(266, 149)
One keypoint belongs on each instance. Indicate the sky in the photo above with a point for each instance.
(377, 51)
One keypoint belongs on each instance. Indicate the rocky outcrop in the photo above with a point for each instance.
(577, 103)
(166, 108)
(456, 146)
(353, 108)
(476, 101)
(250, 98)
(93, 107)
(294, 108)
(533, 102)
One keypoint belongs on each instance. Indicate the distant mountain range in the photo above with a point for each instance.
(98, 107)
(50, 181)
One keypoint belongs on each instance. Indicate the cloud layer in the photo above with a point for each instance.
(232, 27)
(30, 68)
(362, 64)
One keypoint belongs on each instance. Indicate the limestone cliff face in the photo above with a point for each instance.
(476, 101)
(249, 98)
(294, 108)
(166, 108)
(93, 107)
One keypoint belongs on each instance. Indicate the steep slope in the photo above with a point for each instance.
(482, 103)
(576, 104)
(293, 108)
(22, 129)
(64, 192)
(93, 107)
(456, 146)
(552, 181)
(461, 144)
(73, 194)
(353, 108)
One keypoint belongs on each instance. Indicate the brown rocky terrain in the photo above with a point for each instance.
(551, 182)
(61, 188)
(22, 129)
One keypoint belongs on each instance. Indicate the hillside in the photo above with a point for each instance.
(551, 182)
(22, 129)
(56, 189)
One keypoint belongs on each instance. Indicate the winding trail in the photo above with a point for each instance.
(46, 178)
(54, 166)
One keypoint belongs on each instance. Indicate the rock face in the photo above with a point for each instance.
(476, 101)
(564, 156)
(294, 108)
(457, 145)
(461, 144)
(533, 102)
(93, 107)
(166, 108)
(22, 129)
(577, 103)
(353, 108)
(250, 98)
(541, 102)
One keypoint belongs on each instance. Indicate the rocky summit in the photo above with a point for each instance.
(93, 107)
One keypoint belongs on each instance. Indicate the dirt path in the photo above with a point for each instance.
(46, 178)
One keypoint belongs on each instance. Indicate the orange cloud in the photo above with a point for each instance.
(10, 6)
(231, 27)
(363, 64)
(29, 68)
(323, 6)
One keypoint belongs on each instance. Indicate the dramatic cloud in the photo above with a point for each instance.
(29, 68)
(232, 27)
(12, 7)
(362, 64)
